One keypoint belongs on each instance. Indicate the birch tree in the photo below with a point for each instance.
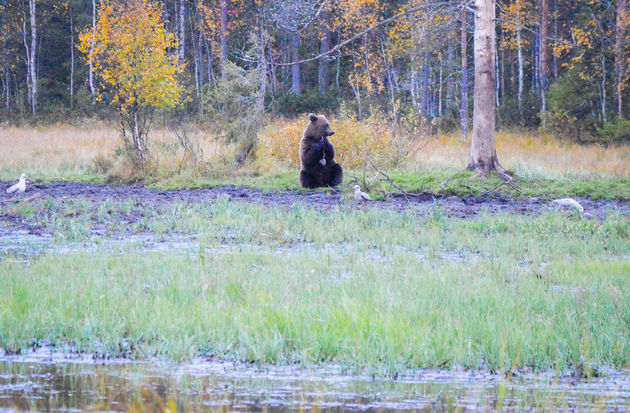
(483, 153)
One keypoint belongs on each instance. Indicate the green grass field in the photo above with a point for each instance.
(369, 289)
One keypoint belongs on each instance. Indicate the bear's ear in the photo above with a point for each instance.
(312, 117)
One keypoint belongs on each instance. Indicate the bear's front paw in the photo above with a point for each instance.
(323, 161)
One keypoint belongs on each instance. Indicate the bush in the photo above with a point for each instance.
(573, 107)
(291, 104)
(617, 130)
(356, 142)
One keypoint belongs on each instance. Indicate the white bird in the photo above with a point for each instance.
(569, 202)
(19, 187)
(359, 195)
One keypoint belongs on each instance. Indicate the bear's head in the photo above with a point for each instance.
(318, 127)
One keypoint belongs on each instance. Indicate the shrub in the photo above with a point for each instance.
(291, 104)
(356, 142)
(617, 130)
(573, 107)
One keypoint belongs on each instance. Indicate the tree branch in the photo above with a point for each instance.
(375, 26)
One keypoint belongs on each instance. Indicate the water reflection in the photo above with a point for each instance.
(49, 381)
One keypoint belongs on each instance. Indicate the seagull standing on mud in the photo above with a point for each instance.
(19, 187)
(359, 195)
(571, 203)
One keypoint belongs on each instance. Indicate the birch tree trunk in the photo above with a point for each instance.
(33, 58)
(483, 154)
(182, 30)
(521, 81)
(450, 85)
(223, 38)
(323, 77)
(603, 86)
(463, 112)
(545, 57)
(90, 63)
(71, 61)
(620, 34)
(295, 68)
(424, 104)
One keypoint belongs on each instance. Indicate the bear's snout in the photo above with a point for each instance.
(331, 133)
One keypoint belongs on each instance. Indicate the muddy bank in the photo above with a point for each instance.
(453, 206)
(99, 205)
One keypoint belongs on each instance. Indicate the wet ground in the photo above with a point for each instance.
(50, 381)
(453, 206)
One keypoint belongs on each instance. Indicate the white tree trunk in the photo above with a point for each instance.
(463, 111)
(619, 58)
(223, 38)
(545, 57)
(521, 76)
(33, 58)
(91, 71)
(71, 60)
(483, 154)
(182, 30)
(295, 68)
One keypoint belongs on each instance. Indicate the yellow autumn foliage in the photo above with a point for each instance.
(130, 51)
(355, 142)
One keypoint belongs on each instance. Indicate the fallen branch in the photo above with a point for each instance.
(391, 181)
(493, 189)
(20, 204)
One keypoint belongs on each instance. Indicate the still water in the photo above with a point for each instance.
(47, 380)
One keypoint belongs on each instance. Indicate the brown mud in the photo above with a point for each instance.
(144, 200)
(454, 206)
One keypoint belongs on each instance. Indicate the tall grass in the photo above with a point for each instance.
(529, 154)
(370, 289)
(69, 152)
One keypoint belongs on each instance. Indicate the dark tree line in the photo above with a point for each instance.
(561, 64)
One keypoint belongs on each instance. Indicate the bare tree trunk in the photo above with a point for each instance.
(463, 112)
(545, 57)
(412, 89)
(619, 55)
(8, 83)
(496, 72)
(295, 68)
(182, 30)
(137, 136)
(209, 58)
(323, 78)
(603, 86)
(223, 38)
(90, 62)
(71, 61)
(521, 74)
(450, 84)
(555, 39)
(33, 58)
(483, 154)
(424, 105)
(440, 84)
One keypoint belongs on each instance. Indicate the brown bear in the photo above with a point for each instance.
(317, 155)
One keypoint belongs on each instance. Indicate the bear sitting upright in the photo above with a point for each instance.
(317, 155)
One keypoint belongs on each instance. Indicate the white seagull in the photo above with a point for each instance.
(19, 187)
(359, 195)
(569, 202)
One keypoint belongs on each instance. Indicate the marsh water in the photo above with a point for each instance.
(48, 380)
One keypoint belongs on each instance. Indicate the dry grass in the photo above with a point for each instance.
(529, 155)
(62, 151)
(354, 141)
